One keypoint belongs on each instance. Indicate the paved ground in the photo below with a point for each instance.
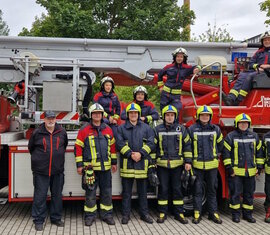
(15, 218)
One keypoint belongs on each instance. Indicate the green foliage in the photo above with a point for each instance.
(214, 34)
(4, 29)
(113, 19)
(265, 6)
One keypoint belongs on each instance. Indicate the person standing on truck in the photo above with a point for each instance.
(173, 155)
(135, 142)
(47, 146)
(266, 144)
(176, 73)
(109, 101)
(95, 159)
(207, 145)
(149, 112)
(243, 159)
(259, 63)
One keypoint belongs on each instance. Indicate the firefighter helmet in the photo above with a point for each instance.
(242, 118)
(264, 35)
(169, 109)
(180, 50)
(104, 80)
(95, 108)
(140, 89)
(133, 107)
(204, 109)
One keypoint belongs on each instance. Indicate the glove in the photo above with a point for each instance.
(89, 177)
(152, 177)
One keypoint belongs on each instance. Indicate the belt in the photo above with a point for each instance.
(172, 91)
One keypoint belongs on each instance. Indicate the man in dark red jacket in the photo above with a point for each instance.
(47, 147)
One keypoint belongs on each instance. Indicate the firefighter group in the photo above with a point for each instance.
(168, 156)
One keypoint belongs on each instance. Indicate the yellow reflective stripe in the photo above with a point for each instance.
(187, 139)
(196, 214)
(235, 153)
(235, 207)
(187, 154)
(146, 148)
(162, 202)
(113, 156)
(160, 83)
(105, 114)
(195, 145)
(214, 145)
(151, 166)
(131, 173)
(235, 92)
(180, 144)
(178, 202)
(78, 158)
(172, 91)
(259, 145)
(173, 163)
(93, 149)
(227, 161)
(220, 138)
(106, 208)
(248, 207)
(260, 161)
(153, 155)
(155, 140)
(109, 146)
(160, 145)
(124, 149)
(115, 116)
(112, 141)
(227, 146)
(80, 143)
(149, 118)
(243, 93)
(90, 209)
(205, 165)
(242, 171)
(267, 169)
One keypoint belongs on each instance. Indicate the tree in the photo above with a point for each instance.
(4, 30)
(265, 6)
(214, 34)
(113, 19)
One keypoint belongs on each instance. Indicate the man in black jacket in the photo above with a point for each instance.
(47, 147)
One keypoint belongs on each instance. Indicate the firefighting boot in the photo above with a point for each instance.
(197, 217)
(181, 218)
(227, 100)
(162, 217)
(267, 215)
(215, 218)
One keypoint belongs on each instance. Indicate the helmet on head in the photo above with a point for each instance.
(169, 109)
(95, 108)
(204, 109)
(104, 80)
(180, 50)
(242, 118)
(264, 35)
(140, 89)
(133, 107)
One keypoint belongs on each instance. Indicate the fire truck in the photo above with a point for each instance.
(56, 73)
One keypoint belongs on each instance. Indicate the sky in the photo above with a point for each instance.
(242, 18)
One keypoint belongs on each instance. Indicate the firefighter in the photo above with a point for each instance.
(149, 112)
(95, 159)
(243, 158)
(259, 62)
(173, 154)
(109, 101)
(135, 142)
(207, 144)
(47, 146)
(176, 73)
(266, 144)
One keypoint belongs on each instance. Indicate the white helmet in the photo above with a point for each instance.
(140, 89)
(104, 80)
(264, 35)
(180, 50)
(95, 108)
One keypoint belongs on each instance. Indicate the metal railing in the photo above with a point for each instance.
(220, 86)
